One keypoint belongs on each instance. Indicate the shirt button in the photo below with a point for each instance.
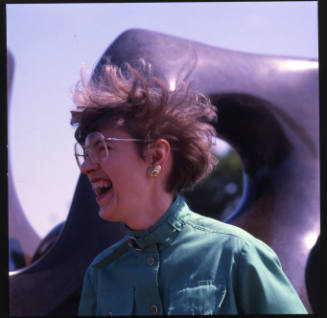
(154, 309)
(130, 244)
(150, 261)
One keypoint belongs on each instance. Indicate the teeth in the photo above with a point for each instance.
(101, 184)
(98, 186)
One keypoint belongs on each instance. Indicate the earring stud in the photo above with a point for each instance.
(154, 171)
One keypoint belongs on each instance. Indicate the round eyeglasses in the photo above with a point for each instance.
(95, 148)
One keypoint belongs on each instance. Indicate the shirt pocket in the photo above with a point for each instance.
(118, 303)
(203, 298)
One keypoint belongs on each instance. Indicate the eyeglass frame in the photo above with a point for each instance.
(105, 139)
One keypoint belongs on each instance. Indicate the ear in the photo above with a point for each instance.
(158, 153)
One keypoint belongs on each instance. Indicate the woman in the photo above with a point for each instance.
(140, 144)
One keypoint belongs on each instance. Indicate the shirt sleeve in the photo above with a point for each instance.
(263, 287)
(87, 305)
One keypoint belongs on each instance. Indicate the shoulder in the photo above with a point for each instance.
(229, 234)
(210, 225)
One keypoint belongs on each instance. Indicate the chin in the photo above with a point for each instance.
(108, 215)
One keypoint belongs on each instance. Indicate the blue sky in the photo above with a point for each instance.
(51, 41)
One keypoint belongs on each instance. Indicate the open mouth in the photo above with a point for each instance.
(101, 187)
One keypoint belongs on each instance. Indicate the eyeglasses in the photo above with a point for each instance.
(95, 148)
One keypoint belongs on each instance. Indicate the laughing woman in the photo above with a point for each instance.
(140, 144)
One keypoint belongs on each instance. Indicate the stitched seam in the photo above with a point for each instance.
(204, 229)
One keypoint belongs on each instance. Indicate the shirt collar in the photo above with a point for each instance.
(165, 230)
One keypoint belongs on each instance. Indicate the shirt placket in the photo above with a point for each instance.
(147, 296)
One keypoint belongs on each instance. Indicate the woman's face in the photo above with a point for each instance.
(125, 177)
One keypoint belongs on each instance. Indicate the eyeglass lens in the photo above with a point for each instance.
(95, 148)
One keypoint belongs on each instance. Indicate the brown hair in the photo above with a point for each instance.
(143, 105)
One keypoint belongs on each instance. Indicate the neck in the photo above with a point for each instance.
(155, 209)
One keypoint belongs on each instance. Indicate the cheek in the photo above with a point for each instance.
(136, 176)
(127, 173)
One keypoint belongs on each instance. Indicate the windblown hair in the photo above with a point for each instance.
(147, 109)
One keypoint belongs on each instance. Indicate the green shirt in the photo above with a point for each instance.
(188, 264)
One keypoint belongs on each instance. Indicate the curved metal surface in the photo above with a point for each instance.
(268, 111)
(43, 286)
(312, 277)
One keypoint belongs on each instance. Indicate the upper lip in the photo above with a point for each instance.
(96, 179)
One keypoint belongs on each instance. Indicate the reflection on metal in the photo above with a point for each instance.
(310, 239)
(268, 112)
(291, 65)
(172, 85)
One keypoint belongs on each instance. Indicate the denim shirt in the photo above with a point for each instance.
(187, 264)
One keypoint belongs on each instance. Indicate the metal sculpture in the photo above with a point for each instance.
(268, 111)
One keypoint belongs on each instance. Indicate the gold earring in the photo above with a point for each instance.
(154, 171)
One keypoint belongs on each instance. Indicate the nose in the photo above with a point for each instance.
(89, 166)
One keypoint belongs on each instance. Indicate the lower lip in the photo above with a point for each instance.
(101, 197)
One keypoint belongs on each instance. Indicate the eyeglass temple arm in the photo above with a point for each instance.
(118, 139)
